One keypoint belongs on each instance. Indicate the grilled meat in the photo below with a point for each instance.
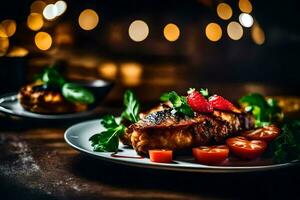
(46, 99)
(164, 129)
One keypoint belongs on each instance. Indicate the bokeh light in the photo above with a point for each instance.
(61, 7)
(43, 41)
(235, 30)
(245, 6)
(257, 34)
(35, 21)
(37, 7)
(17, 52)
(8, 28)
(171, 32)
(246, 20)
(88, 19)
(108, 70)
(138, 30)
(50, 12)
(4, 44)
(224, 11)
(131, 73)
(213, 32)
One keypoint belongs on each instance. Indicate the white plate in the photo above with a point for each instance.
(9, 104)
(77, 136)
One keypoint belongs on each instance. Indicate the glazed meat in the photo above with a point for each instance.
(164, 129)
(46, 99)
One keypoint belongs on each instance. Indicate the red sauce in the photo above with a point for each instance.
(120, 156)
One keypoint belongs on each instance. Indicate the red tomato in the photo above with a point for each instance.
(211, 154)
(244, 148)
(266, 133)
(161, 156)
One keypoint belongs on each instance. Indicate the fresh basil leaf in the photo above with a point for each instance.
(132, 107)
(76, 93)
(53, 77)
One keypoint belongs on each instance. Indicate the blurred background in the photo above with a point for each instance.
(232, 47)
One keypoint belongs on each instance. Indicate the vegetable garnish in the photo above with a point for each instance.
(132, 107)
(108, 140)
(286, 146)
(179, 103)
(70, 91)
(265, 111)
(75, 93)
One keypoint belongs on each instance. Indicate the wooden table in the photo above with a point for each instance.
(36, 163)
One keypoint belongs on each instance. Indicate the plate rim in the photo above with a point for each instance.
(38, 115)
(161, 166)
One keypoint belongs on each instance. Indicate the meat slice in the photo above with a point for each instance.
(165, 129)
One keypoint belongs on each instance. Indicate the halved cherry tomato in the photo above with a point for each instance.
(244, 148)
(211, 154)
(161, 155)
(266, 133)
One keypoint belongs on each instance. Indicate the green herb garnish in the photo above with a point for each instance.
(72, 92)
(286, 146)
(108, 140)
(204, 92)
(179, 103)
(265, 111)
(75, 93)
(132, 107)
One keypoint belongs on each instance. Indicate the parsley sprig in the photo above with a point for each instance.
(179, 103)
(108, 140)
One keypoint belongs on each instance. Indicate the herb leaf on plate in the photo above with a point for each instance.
(108, 140)
(286, 146)
(264, 111)
(179, 103)
(132, 107)
(76, 93)
(52, 77)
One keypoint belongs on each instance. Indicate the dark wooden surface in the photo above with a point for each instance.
(36, 163)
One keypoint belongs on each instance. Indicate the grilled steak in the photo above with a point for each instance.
(165, 129)
(46, 99)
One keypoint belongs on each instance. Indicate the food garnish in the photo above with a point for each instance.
(211, 154)
(72, 92)
(108, 140)
(266, 133)
(220, 103)
(198, 102)
(179, 103)
(265, 111)
(244, 148)
(161, 155)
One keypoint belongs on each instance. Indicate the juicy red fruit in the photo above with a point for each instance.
(198, 103)
(221, 103)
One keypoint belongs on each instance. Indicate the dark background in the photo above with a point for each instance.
(192, 60)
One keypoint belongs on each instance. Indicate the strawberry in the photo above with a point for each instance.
(221, 103)
(197, 102)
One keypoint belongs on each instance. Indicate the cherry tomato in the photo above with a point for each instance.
(244, 148)
(266, 133)
(211, 154)
(161, 155)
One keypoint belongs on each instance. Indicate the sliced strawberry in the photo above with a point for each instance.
(221, 103)
(198, 103)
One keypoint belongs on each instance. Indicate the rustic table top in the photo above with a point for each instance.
(36, 163)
